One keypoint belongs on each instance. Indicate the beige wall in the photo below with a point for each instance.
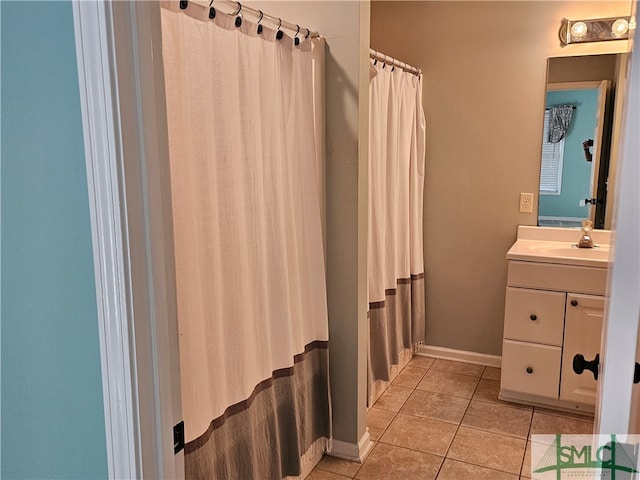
(484, 67)
(345, 25)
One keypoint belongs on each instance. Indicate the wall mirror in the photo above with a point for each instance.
(579, 140)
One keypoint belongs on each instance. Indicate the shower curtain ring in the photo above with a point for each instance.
(279, 33)
(308, 33)
(259, 20)
(238, 15)
(296, 40)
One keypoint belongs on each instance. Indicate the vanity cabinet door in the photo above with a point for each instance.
(582, 332)
(534, 316)
(530, 368)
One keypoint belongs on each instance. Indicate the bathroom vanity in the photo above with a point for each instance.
(553, 311)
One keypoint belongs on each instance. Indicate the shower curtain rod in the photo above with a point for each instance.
(392, 61)
(236, 8)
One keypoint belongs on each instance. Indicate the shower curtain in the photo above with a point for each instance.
(245, 119)
(395, 254)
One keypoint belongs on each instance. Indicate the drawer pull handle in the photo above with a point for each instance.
(533, 317)
(574, 303)
(529, 370)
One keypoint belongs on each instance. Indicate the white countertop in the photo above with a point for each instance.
(558, 245)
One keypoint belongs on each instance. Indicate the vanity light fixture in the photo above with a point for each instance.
(595, 30)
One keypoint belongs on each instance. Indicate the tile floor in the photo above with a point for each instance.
(442, 420)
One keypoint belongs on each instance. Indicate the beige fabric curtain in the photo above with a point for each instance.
(245, 138)
(396, 185)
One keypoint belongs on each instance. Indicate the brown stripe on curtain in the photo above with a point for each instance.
(395, 325)
(286, 414)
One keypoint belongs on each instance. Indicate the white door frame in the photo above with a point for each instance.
(619, 336)
(122, 96)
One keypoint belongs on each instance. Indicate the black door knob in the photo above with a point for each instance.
(533, 316)
(529, 370)
(580, 365)
(574, 303)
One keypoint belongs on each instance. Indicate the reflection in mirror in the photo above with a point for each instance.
(577, 160)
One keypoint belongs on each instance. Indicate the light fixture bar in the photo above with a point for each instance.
(595, 30)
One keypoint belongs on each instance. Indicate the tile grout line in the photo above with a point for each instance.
(413, 389)
(395, 414)
(526, 445)
(466, 462)
(449, 458)
(458, 427)
(398, 412)
(470, 427)
(459, 424)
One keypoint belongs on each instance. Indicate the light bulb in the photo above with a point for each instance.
(579, 30)
(620, 27)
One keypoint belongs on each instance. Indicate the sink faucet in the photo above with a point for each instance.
(586, 241)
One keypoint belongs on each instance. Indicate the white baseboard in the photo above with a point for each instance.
(460, 355)
(351, 451)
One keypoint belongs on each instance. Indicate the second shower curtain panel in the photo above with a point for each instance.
(395, 254)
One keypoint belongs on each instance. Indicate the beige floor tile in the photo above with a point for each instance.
(540, 450)
(338, 465)
(449, 383)
(489, 450)
(388, 462)
(453, 470)
(377, 421)
(421, 361)
(502, 419)
(409, 377)
(544, 423)
(423, 434)
(325, 475)
(492, 373)
(457, 367)
(393, 398)
(487, 390)
(436, 406)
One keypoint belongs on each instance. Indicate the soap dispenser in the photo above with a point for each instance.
(586, 241)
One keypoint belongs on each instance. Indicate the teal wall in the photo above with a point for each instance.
(52, 417)
(576, 171)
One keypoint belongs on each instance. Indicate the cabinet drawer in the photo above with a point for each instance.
(566, 278)
(534, 316)
(543, 362)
